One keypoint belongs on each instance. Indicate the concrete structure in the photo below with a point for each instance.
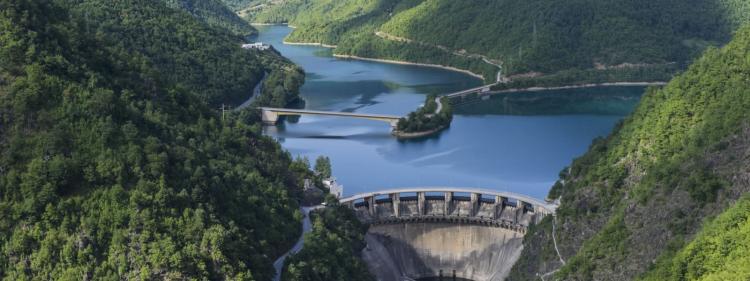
(271, 115)
(478, 206)
(469, 95)
(445, 231)
(418, 250)
(334, 187)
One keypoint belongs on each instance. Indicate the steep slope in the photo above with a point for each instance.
(184, 51)
(528, 38)
(112, 169)
(719, 251)
(237, 5)
(642, 194)
(215, 14)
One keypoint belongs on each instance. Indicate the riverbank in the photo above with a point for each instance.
(411, 63)
(414, 135)
(578, 86)
(309, 44)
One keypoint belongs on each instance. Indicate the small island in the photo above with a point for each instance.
(434, 116)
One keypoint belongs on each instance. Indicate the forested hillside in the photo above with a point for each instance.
(641, 202)
(185, 51)
(237, 5)
(113, 163)
(214, 13)
(528, 38)
(332, 248)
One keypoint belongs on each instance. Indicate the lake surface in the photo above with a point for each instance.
(517, 142)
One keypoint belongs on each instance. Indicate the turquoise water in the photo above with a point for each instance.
(515, 142)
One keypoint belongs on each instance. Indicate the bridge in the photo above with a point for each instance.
(270, 115)
(450, 204)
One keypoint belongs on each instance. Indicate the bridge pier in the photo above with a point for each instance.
(447, 204)
(371, 206)
(476, 199)
(269, 117)
(420, 203)
(396, 202)
(498, 202)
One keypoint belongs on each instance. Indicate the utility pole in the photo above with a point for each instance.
(222, 112)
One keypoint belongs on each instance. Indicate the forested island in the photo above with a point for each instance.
(435, 115)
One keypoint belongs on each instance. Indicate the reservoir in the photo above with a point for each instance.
(514, 142)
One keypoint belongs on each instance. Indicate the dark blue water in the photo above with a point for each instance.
(516, 142)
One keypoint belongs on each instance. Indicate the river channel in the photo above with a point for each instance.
(517, 142)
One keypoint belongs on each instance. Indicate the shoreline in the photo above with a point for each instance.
(464, 71)
(412, 135)
(578, 86)
(309, 44)
(468, 72)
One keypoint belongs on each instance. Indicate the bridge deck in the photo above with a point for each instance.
(330, 113)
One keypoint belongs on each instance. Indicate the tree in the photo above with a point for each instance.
(323, 166)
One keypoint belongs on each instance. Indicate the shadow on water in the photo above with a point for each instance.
(445, 278)
(343, 91)
(281, 133)
(595, 101)
(441, 88)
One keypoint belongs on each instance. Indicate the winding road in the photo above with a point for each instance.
(278, 265)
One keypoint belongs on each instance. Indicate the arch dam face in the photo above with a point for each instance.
(439, 231)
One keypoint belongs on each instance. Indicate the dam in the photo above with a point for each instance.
(442, 232)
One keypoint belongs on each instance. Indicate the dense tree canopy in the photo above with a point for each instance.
(643, 193)
(425, 118)
(114, 166)
(186, 51)
(642, 39)
(332, 249)
(215, 14)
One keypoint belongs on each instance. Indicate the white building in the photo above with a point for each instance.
(257, 46)
(335, 188)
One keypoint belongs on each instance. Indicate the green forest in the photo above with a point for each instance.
(643, 40)
(177, 46)
(114, 160)
(214, 13)
(332, 248)
(640, 202)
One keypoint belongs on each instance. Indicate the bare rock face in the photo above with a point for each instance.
(417, 250)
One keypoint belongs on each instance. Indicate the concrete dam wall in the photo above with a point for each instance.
(424, 249)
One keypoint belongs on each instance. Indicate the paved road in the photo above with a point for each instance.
(439, 105)
(306, 227)
(256, 92)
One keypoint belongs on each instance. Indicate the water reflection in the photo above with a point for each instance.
(517, 142)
